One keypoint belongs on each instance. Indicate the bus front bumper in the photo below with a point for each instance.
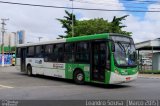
(116, 78)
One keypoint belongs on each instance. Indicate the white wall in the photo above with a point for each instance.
(156, 61)
(9, 39)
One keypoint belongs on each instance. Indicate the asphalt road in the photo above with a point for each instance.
(15, 85)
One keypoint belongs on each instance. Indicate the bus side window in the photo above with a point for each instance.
(61, 53)
(54, 54)
(58, 52)
(108, 63)
(48, 53)
(39, 51)
(30, 51)
(42, 50)
(69, 52)
(103, 53)
(82, 52)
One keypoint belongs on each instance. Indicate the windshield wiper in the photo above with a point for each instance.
(121, 46)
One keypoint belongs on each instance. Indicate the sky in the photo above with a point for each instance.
(42, 22)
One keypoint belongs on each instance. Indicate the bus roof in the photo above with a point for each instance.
(88, 37)
(41, 43)
(72, 39)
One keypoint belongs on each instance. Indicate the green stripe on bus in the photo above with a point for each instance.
(89, 37)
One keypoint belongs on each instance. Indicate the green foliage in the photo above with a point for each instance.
(8, 49)
(116, 25)
(13, 48)
(150, 72)
(92, 26)
(67, 23)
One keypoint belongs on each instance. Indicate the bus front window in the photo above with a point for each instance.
(125, 52)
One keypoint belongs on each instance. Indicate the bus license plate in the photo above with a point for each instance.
(128, 78)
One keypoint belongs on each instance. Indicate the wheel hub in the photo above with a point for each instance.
(80, 77)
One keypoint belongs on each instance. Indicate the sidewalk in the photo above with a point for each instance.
(6, 65)
(155, 76)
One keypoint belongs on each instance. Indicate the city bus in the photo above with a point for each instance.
(106, 58)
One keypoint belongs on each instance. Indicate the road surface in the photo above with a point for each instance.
(15, 85)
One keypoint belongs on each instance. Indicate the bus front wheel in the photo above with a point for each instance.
(79, 77)
(29, 70)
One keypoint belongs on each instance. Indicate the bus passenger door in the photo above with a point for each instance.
(23, 59)
(98, 61)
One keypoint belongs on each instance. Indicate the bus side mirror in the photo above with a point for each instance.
(135, 55)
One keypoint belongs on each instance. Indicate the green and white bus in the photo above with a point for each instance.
(101, 58)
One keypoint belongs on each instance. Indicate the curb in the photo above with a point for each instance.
(5, 66)
(149, 77)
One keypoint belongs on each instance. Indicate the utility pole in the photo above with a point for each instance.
(40, 38)
(2, 47)
(72, 20)
(9, 44)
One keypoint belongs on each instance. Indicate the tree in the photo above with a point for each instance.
(116, 25)
(67, 23)
(92, 26)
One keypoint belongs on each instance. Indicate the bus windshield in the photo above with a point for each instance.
(125, 52)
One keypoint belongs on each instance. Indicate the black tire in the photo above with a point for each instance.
(29, 70)
(78, 77)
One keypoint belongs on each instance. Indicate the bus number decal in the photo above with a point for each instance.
(38, 61)
(30, 60)
(58, 66)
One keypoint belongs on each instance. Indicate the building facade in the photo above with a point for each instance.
(21, 36)
(11, 39)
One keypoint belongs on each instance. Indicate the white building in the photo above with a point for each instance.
(153, 46)
(21, 36)
(156, 61)
(10, 39)
(13, 38)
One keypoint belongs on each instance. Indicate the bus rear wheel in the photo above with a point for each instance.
(29, 70)
(79, 77)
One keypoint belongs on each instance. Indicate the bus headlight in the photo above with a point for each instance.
(116, 71)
